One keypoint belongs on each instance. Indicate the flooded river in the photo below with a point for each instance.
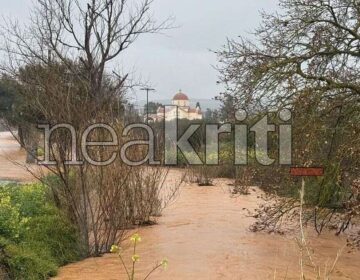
(204, 235)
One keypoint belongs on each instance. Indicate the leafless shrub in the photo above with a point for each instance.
(150, 192)
(105, 201)
(273, 213)
(243, 179)
(203, 175)
(353, 211)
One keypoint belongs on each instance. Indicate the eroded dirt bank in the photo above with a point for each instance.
(204, 235)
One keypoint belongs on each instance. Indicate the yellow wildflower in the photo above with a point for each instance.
(135, 258)
(135, 237)
(164, 263)
(114, 249)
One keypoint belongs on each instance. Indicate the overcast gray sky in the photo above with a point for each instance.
(181, 58)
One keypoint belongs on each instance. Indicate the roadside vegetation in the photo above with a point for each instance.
(35, 236)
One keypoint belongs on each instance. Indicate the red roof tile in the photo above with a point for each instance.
(180, 96)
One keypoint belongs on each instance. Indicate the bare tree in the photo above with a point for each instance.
(307, 58)
(313, 45)
(62, 61)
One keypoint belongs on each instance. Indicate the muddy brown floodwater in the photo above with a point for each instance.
(12, 159)
(204, 235)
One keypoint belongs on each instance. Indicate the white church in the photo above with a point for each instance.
(184, 111)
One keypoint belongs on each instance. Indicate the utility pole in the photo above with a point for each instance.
(147, 102)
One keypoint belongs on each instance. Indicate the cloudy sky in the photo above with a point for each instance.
(181, 58)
